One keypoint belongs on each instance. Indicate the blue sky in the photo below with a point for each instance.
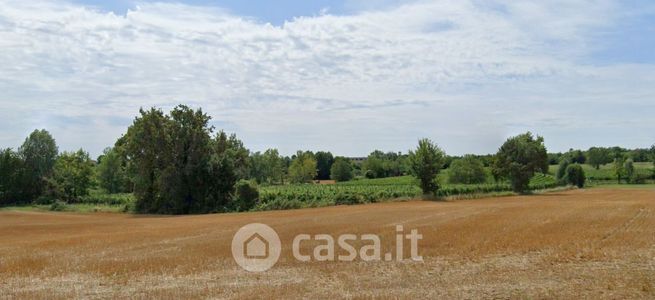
(347, 76)
(274, 12)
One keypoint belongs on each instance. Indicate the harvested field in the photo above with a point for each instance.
(596, 243)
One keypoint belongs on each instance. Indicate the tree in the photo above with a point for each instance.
(266, 167)
(467, 170)
(111, 172)
(341, 170)
(629, 168)
(236, 151)
(39, 153)
(598, 156)
(619, 168)
(324, 161)
(425, 163)
(519, 158)
(577, 156)
(176, 166)
(148, 149)
(72, 175)
(373, 166)
(561, 170)
(11, 172)
(575, 175)
(303, 168)
(274, 166)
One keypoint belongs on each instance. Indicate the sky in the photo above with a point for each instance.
(346, 76)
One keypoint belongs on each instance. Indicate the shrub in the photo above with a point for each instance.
(246, 195)
(58, 206)
(468, 170)
(561, 171)
(575, 175)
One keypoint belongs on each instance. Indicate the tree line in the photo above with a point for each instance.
(176, 163)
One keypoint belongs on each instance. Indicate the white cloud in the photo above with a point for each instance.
(466, 73)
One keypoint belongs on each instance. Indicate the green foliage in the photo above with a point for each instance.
(246, 195)
(575, 175)
(72, 175)
(303, 168)
(102, 197)
(374, 190)
(341, 170)
(561, 170)
(234, 150)
(111, 172)
(379, 164)
(11, 176)
(519, 158)
(467, 170)
(176, 166)
(58, 206)
(324, 161)
(629, 168)
(598, 156)
(39, 153)
(619, 168)
(425, 163)
(267, 167)
(576, 156)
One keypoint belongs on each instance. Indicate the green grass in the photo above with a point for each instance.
(606, 172)
(650, 186)
(77, 208)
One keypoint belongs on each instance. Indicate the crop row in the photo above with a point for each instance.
(298, 196)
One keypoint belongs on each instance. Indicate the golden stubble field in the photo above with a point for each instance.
(597, 243)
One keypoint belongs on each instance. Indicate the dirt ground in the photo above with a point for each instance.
(595, 243)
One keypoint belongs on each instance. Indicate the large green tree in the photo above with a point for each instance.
(597, 156)
(324, 161)
(176, 166)
(11, 173)
(148, 149)
(39, 153)
(266, 167)
(341, 170)
(111, 172)
(303, 168)
(72, 175)
(519, 158)
(425, 164)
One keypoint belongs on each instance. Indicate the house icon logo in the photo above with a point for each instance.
(256, 247)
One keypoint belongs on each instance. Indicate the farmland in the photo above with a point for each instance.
(375, 190)
(593, 243)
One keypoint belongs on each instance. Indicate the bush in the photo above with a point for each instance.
(58, 206)
(246, 196)
(468, 170)
(575, 175)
